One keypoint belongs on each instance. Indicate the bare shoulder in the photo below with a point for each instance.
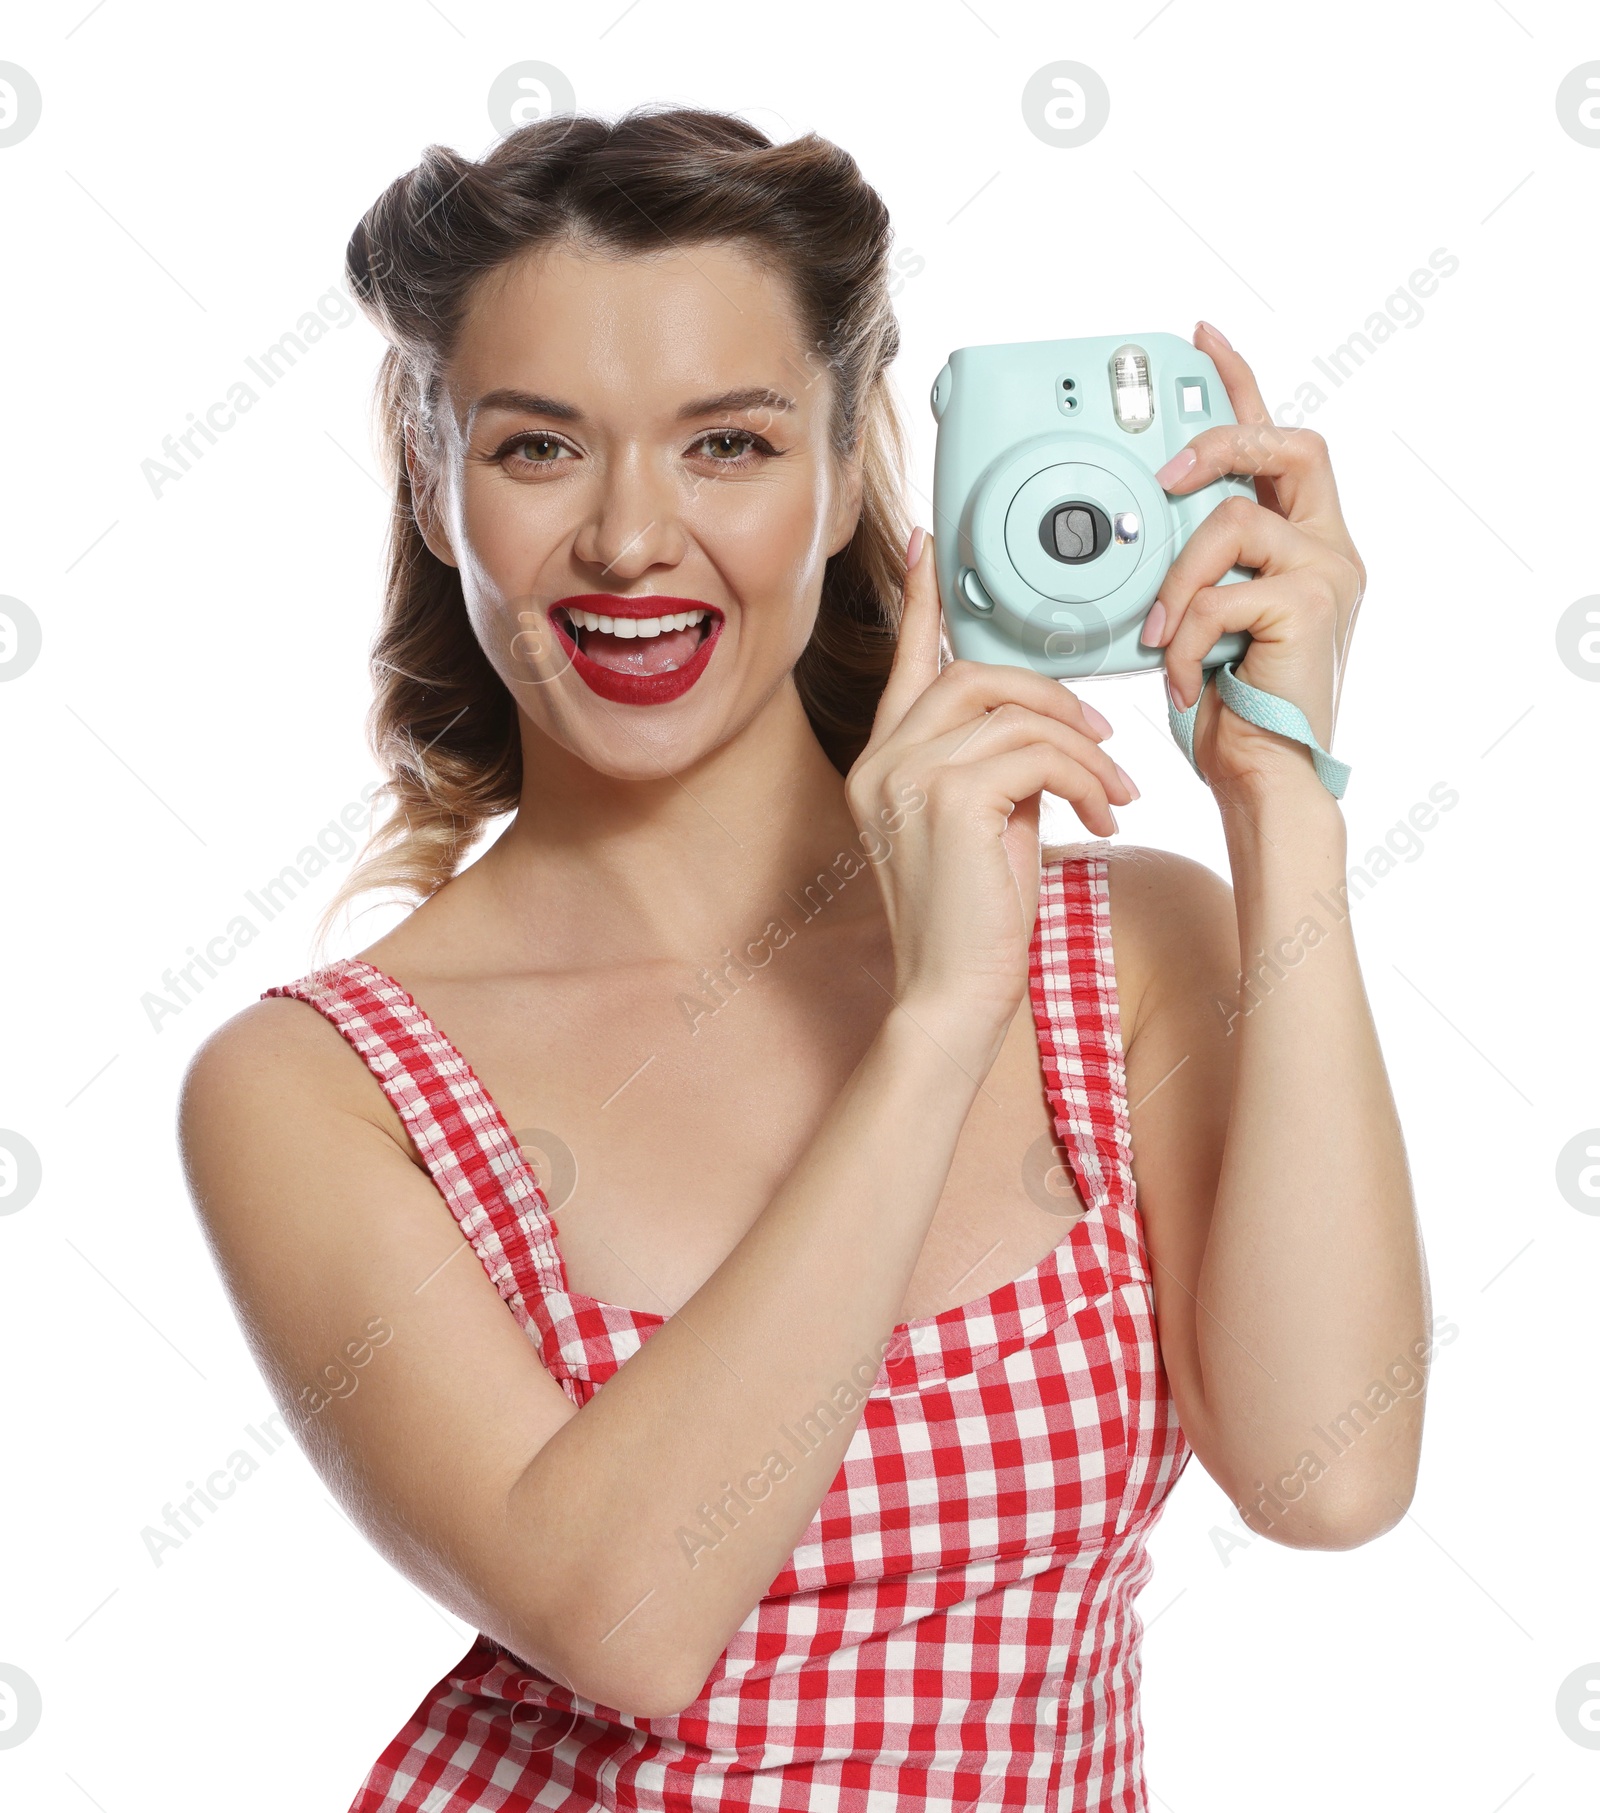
(1174, 932)
(325, 1234)
(269, 1067)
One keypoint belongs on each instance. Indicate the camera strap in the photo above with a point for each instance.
(1257, 707)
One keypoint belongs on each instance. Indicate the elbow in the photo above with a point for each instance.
(638, 1686)
(638, 1693)
(1347, 1522)
(1351, 1531)
(662, 1699)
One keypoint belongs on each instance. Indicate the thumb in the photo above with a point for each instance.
(916, 655)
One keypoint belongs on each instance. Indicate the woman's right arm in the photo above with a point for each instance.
(579, 1539)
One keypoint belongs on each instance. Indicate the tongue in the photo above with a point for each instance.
(640, 654)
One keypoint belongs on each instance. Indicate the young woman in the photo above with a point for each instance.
(839, 1088)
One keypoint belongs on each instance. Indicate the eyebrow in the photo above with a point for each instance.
(530, 402)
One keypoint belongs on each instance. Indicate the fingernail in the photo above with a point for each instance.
(1097, 721)
(1126, 779)
(1175, 696)
(1219, 334)
(1175, 468)
(914, 547)
(1154, 624)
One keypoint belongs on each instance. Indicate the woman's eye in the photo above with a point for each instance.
(546, 445)
(740, 439)
(721, 447)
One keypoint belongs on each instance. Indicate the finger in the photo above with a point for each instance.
(1244, 394)
(1288, 654)
(1234, 370)
(1003, 782)
(917, 645)
(1312, 577)
(966, 689)
(1295, 459)
(1236, 533)
(1025, 814)
(1015, 727)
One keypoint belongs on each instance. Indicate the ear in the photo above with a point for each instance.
(847, 502)
(425, 499)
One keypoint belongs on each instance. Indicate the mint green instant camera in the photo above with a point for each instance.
(1052, 536)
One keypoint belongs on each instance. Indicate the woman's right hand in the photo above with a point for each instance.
(946, 794)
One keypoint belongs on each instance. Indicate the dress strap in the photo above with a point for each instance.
(483, 1175)
(1073, 976)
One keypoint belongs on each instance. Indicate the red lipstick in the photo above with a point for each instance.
(635, 688)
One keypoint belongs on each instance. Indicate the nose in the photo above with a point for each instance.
(631, 521)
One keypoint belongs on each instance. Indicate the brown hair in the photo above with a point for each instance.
(442, 724)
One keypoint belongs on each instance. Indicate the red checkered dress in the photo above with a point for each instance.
(956, 1629)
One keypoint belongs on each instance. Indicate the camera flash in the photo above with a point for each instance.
(1131, 396)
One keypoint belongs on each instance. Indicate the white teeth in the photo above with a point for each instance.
(628, 627)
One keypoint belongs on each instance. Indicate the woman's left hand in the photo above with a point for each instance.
(1299, 610)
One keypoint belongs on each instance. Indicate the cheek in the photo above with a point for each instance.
(504, 538)
(767, 543)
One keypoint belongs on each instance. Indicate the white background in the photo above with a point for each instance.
(195, 718)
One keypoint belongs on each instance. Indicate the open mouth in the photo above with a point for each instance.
(631, 658)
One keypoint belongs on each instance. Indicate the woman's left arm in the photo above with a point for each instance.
(1290, 1281)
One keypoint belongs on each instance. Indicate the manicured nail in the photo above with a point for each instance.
(1175, 468)
(1126, 779)
(1175, 696)
(1219, 334)
(1097, 721)
(1154, 624)
(914, 547)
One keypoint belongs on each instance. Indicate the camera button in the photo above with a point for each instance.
(972, 591)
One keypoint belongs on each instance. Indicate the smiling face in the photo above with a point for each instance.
(639, 442)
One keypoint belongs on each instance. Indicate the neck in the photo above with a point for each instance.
(600, 870)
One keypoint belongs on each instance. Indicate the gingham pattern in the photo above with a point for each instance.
(956, 1629)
